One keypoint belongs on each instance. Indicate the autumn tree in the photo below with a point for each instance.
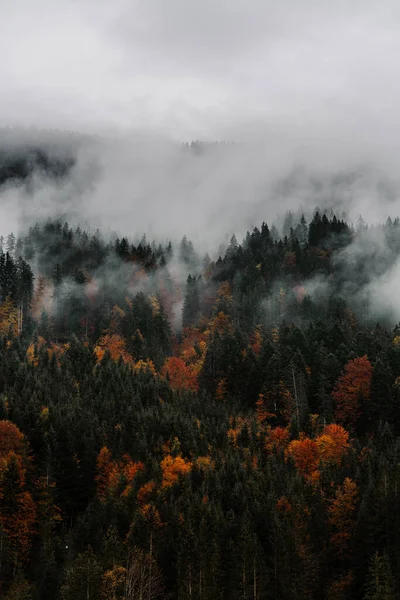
(332, 444)
(277, 439)
(11, 439)
(17, 507)
(113, 584)
(173, 468)
(275, 405)
(342, 515)
(352, 391)
(115, 345)
(8, 317)
(115, 476)
(180, 376)
(304, 453)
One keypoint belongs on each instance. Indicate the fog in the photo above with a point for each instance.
(308, 92)
(150, 184)
(194, 69)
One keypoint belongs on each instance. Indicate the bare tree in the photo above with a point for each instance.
(143, 578)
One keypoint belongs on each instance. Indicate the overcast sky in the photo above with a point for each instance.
(308, 82)
(203, 68)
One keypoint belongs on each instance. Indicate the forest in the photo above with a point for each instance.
(179, 427)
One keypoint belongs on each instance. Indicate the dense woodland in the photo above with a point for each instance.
(177, 427)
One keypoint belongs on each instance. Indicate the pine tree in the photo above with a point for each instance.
(191, 303)
(82, 578)
(380, 581)
(11, 242)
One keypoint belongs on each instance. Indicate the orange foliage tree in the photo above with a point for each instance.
(38, 300)
(304, 453)
(190, 337)
(283, 505)
(237, 424)
(192, 351)
(52, 349)
(113, 583)
(17, 507)
(221, 391)
(151, 515)
(333, 444)
(307, 454)
(145, 365)
(221, 323)
(276, 405)
(256, 340)
(277, 439)
(181, 377)
(172, 468)
(104, 467)
(11, 438)
(113, 476)
(352, 390)
(341, 514)
(57, 350)
(8, 317)
(224, 295)
(116, 346)
(146, 492)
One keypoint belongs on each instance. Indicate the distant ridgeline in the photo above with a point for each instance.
(201, 147)
(50, 153)
(19, 164)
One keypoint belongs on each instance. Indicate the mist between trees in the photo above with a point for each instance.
(176, 426)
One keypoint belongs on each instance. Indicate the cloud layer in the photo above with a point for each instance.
(205, 69)
(310, 91)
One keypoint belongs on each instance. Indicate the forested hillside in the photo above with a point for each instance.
(177, 427)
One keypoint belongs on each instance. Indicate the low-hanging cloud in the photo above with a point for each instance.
(308, 92)
(130, 185)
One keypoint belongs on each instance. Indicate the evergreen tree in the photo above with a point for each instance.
(191, 303)
(380, 581)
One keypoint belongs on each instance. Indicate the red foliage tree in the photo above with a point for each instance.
(181, 377)
(283, 505)
(105, 466)
(341, 514)
(113, 475)
(256, 340)
(352, 390)
(305, 456)
(277, 439)
(11, 439)
(17, 507)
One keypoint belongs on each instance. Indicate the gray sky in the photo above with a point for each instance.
(305, 82)
(204, 68)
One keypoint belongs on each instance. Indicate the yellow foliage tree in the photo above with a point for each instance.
(8, 317)
(173, 468)
(113, 584)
